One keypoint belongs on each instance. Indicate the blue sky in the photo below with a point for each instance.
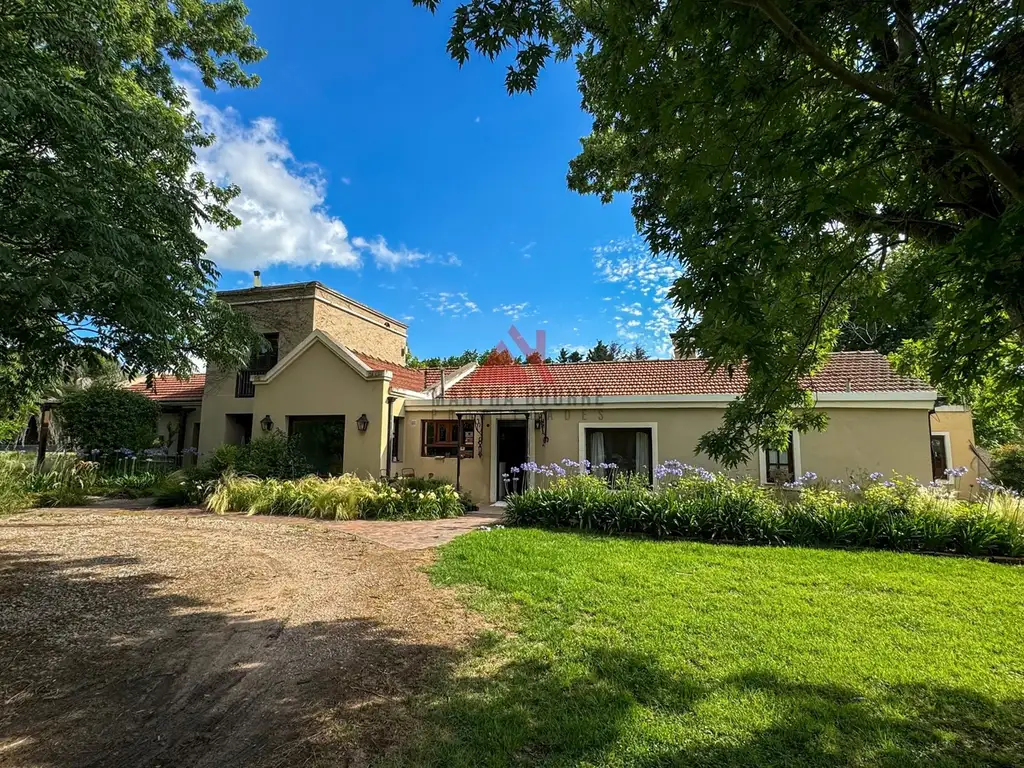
(369, 161)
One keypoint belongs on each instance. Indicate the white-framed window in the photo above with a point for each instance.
(633, 447)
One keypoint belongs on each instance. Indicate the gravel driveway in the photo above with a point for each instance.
(140, 639)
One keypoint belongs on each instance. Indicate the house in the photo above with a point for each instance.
(332, 374)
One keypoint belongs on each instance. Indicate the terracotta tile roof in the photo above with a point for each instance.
(172, 388)
(847, 371)
(413, 379)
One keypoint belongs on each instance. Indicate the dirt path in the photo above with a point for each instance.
(144, 640)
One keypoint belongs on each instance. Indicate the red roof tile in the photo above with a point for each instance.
(172, 388)
(846, 371)
(403, 378)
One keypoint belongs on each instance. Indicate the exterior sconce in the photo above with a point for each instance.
(267, 423)
(538, 423)
(362, 423)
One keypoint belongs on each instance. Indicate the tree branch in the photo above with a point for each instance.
(962, 134)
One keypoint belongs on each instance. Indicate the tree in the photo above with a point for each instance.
(788, 153)
(498, 357)
(575, 356)
(104, 419)
(637, 353)
(99, 197)
(535, 358)
(452, 361)
(601, 352)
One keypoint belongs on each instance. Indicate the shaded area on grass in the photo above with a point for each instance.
(661, 654)
(105, 664)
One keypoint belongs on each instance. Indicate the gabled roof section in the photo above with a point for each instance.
(419, 380)
(171, 388)
(341, 352)
(861, 372)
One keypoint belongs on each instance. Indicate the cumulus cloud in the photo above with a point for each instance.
(645, 315)
(282, 205)
(452, 304)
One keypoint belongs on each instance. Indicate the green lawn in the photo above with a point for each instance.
(640, 653)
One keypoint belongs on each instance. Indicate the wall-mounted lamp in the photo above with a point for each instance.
(267, 423)
(538, 423)
(362, 423)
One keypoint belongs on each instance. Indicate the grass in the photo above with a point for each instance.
(642, 653)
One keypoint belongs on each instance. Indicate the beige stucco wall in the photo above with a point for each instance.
(960, 426)
(864, 440)
(318, 383)
(475, 473)
(359, 328)
(857, 441)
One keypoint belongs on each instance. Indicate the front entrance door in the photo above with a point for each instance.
(512, 451)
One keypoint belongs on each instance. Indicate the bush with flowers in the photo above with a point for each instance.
(695, 503)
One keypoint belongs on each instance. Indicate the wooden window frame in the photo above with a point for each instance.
(449, 447)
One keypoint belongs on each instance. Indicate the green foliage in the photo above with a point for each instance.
(387, 502)
(275, 455)
(434, 484)
(331, 498)
(66, 483)
(452, 361)
(342, 497)
(100, 200)
(104, 420)
(708, 507)
(1008, 465)
(188, 487)
(271, 456)
(804, 161)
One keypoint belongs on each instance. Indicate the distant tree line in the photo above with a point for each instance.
(600, 352)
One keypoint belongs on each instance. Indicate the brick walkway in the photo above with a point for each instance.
(419, 534)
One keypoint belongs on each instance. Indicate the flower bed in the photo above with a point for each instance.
(690, 502)
(344, 497)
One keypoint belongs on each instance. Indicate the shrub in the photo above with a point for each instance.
(1008, 465)
(696, 504)
(186, 487)
(66, 484)
(271, 456)
(343, 497)
(105, 419)
(387, 502)
(433, 484)
(331, 498)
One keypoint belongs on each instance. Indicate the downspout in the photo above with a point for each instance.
(391, 437)
(931, 466)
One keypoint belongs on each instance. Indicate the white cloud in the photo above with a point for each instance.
(515, 311)
(282, 204)
(452, 304)
(346, 180)
(387, 257)
(477, 120)
(646, 316)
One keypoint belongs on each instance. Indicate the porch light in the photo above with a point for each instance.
(267, 423)
(362, 423)
(538, 423)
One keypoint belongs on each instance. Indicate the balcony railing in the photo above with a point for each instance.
(244, 386)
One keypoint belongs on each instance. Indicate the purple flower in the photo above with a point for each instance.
(888, 484)
(875, 476)
(854, 487)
